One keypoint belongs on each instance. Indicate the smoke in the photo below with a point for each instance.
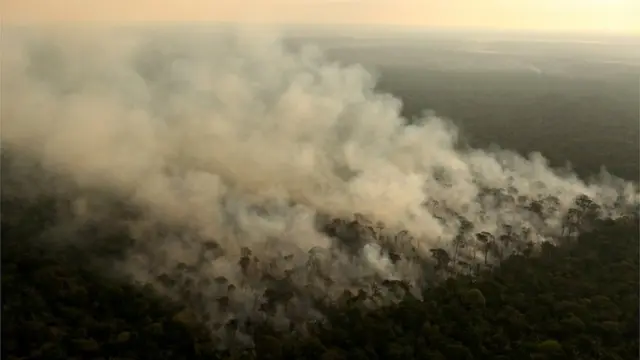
(232, 149)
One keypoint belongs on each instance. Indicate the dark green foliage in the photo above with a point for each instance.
(54, 309)
(577, 301)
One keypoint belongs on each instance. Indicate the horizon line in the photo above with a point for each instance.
(326, 27)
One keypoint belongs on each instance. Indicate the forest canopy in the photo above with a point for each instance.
(572, 298)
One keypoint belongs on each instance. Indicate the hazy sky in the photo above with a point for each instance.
(572, 15)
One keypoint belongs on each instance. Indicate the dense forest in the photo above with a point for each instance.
(167, 195)
(576, 298)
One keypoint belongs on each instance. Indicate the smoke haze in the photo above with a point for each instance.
(239, 142)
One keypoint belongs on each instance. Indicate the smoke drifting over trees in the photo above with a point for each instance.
(255, 182)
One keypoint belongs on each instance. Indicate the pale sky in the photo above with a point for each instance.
(564, 15)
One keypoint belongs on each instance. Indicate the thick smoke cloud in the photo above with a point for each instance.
(232, 146)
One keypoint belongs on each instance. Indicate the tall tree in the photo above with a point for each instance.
(487, 240)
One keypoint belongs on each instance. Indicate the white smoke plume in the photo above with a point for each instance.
(242, 145)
